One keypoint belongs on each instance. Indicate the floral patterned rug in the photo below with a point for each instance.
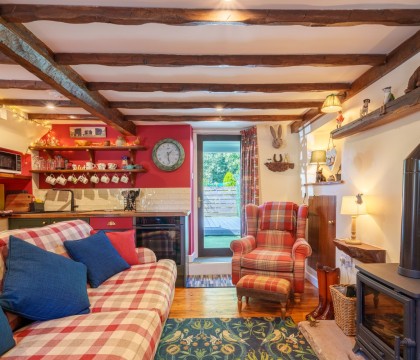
(258, 338)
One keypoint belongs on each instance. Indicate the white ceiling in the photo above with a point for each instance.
(210, 40)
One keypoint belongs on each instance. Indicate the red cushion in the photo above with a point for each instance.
(125, 243)
(278, 216)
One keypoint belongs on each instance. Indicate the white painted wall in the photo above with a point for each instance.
(279, 186)
(372, 163)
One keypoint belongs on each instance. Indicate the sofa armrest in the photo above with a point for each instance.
(301, 249)
(145, 255)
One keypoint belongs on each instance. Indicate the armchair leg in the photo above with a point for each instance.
(297, 297)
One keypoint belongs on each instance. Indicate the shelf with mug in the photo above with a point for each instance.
(131, 172)
(50, 150)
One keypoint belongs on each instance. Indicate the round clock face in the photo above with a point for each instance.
(168, 154)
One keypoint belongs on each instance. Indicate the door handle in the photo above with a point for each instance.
(331, 222)
(198, 202)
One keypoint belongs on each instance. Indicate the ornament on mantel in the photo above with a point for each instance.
(339, 119)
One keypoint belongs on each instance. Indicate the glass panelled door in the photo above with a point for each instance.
(218, 167)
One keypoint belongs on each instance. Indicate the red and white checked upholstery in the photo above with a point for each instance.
(264, 283)
(127, 311)
(112, 335)
(274, 244)
(149, 286)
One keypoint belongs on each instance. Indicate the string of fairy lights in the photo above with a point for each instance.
(21, 116)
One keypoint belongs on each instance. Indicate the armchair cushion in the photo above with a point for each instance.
(267, 260)
(278, 216)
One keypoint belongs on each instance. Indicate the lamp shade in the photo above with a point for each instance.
(349, 206)
(331, 104)
(318, 157)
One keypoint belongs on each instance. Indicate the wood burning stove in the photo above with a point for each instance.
(388, 313)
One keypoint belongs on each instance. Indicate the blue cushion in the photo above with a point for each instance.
(100, 257)
(6, 338)
(41, 285)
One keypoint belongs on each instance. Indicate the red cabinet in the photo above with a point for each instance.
(112, 223)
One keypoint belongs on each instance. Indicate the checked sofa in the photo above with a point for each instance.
(274, 244)
(127, 311)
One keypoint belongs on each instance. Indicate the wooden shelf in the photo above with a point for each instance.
(87, 148)
(325, 183)
(363, 252)
(93, 171)
(14, 176)
(394, 110)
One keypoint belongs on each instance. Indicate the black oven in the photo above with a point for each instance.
(166, 236)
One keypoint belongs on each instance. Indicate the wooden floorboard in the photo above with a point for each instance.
(219, 302)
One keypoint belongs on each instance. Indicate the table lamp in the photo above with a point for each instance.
(318, 157)
(354, 206)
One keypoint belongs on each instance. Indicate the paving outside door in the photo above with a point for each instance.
(218, 165)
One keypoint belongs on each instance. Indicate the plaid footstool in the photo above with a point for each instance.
(264, 287)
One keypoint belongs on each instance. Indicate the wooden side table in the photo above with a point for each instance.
(363, 252)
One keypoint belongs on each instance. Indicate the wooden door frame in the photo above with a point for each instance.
(200, 209)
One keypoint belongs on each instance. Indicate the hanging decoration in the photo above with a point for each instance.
(331, 153)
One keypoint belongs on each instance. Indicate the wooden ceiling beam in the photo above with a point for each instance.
(24, 85)
(170, 105)
(172, 60)
(183, 118)
(28, 51)
(40, 116)
(184, 87)
(173, 16)
(214, 104)
(395, 58)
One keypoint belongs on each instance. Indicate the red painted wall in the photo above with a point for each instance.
(149, 135)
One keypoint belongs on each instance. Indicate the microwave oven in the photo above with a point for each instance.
(10, 162)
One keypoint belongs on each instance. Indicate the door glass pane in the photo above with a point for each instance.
(221, 193)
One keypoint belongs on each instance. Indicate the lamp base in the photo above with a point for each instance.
(352, 241)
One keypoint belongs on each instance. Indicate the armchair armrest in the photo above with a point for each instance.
(145, 255)
(301, 249)
(243, 246)
(240, 247)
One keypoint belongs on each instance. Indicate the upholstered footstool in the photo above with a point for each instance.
(264, 287)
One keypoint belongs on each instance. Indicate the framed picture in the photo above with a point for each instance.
(88, 132)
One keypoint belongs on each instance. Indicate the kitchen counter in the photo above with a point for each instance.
(95, 213)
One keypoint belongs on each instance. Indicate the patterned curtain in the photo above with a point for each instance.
(249, 171)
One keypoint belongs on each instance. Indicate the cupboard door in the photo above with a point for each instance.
(321, 230)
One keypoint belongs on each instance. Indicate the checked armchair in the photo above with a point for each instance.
(274, 244)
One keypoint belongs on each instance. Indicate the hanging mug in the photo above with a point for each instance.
(51, 179)
(94, 179)
(105, 179)
(61, 180)
(124, 179)
(115, 179)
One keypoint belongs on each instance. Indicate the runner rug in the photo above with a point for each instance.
(258, 338)
(209, 281)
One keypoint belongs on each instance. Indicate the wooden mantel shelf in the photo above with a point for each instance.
(396, 109)
(364, 252)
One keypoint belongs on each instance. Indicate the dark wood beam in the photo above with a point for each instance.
(215, 88)
(36, 116)
(172, 60)
(28, 51)
(184, 87)
(24, 85)
(395, 58)
(395, 110)
(171, 16)
(253, 118)
(171, 105)
(214, 104)
(309, 117)
(37, 103)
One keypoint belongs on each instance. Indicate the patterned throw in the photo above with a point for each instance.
(259, 338)
(209, 281)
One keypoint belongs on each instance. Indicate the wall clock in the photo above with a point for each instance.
(168, 154)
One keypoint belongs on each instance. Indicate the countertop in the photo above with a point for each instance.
(95, 213)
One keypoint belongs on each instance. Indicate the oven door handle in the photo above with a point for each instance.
(157, 227)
